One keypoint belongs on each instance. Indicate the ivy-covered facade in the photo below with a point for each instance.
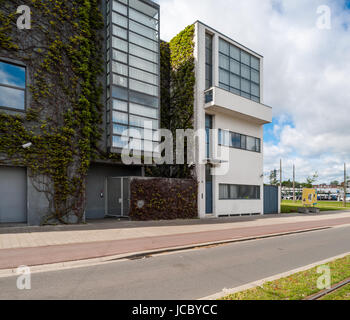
(86, 72)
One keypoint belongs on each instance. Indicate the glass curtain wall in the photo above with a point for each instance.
(133, 72)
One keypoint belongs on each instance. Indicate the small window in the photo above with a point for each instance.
(12, 86)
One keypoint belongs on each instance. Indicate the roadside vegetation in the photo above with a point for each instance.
(288, 206)
(300, 285)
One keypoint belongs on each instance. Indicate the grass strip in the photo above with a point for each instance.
(297, 286)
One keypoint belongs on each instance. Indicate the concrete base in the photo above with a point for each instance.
(305, 210)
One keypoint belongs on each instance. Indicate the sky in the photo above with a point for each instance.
(306, 74)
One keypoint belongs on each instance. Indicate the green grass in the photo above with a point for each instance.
(288, 206)
(297, 286)
(341, 294)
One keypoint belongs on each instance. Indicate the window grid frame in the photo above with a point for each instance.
(240, 62)
(244, 136)
(21, 65)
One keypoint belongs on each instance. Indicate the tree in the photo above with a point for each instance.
(311, 180)
(273, 178)
(334, 183)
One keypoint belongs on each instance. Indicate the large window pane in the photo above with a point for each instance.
(119, 20)
(235, 140)
(255, 90)
(245, 58)
(143, 87)
(235, 53)
(235, 67)
(145, 31)
(255, 76)
(120, 56)
(224, 62)
(143, 111)
(225, 77)
(120, 130)
(143, 122)
(119, 44)
(234, 192)
(120, 68)
(143, 42)
(120, 32)
(12, 98)
(143, 53)
(143, 76)
(120, 117)
(142, 64)
(245, 85)
(12, 75)
(144, 99)
(120, 105)
(251, 144)
(119, 93)
(120, 81)
(120, 8)
(119, 142)
(255, 63)
(224, 191)
(224, 47)
(144, 19)
(141, 6)
(245, 72)
(235, 81)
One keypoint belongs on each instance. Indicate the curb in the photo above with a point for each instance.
(138, 255)
(259, 283)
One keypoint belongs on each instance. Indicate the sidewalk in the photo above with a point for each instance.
(48, 245)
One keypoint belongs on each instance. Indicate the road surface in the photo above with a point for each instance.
(185, 275)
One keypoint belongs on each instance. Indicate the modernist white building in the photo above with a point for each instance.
(229, 98)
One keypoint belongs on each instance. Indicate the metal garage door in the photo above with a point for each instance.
(270, 200)
(13, 199)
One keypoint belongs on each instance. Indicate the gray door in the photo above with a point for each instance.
(118, 197)
(114, 200)
(270, 200)
(13, 195)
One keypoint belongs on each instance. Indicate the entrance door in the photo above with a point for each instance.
(13, 195)
(118, 197)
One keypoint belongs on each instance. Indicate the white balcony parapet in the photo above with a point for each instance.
(220, 100)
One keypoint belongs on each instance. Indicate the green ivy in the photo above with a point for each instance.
(177, 93)
(65, 113)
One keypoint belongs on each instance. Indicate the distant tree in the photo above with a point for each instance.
(311, 180)
(335, 183)
(273, 178)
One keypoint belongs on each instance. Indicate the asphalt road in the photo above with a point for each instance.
(185, 275)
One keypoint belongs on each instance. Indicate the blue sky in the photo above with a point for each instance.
(306, 73)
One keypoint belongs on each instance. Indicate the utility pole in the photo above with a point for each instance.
(345, 186)
(293, 183)
(281, 181)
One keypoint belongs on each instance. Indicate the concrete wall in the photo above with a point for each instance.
(96, 186)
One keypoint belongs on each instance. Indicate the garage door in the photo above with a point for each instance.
(13, 197)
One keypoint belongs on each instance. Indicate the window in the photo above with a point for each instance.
(12, 86)
(239, 141)
(239, 192)
(208, 61)
(239, 71)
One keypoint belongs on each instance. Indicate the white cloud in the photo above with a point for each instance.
(306, 72)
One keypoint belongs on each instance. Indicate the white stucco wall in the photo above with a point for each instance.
(245, 167)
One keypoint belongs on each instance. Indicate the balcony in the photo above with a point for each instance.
(219, 100)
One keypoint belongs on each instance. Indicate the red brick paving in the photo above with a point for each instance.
(12, 258)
